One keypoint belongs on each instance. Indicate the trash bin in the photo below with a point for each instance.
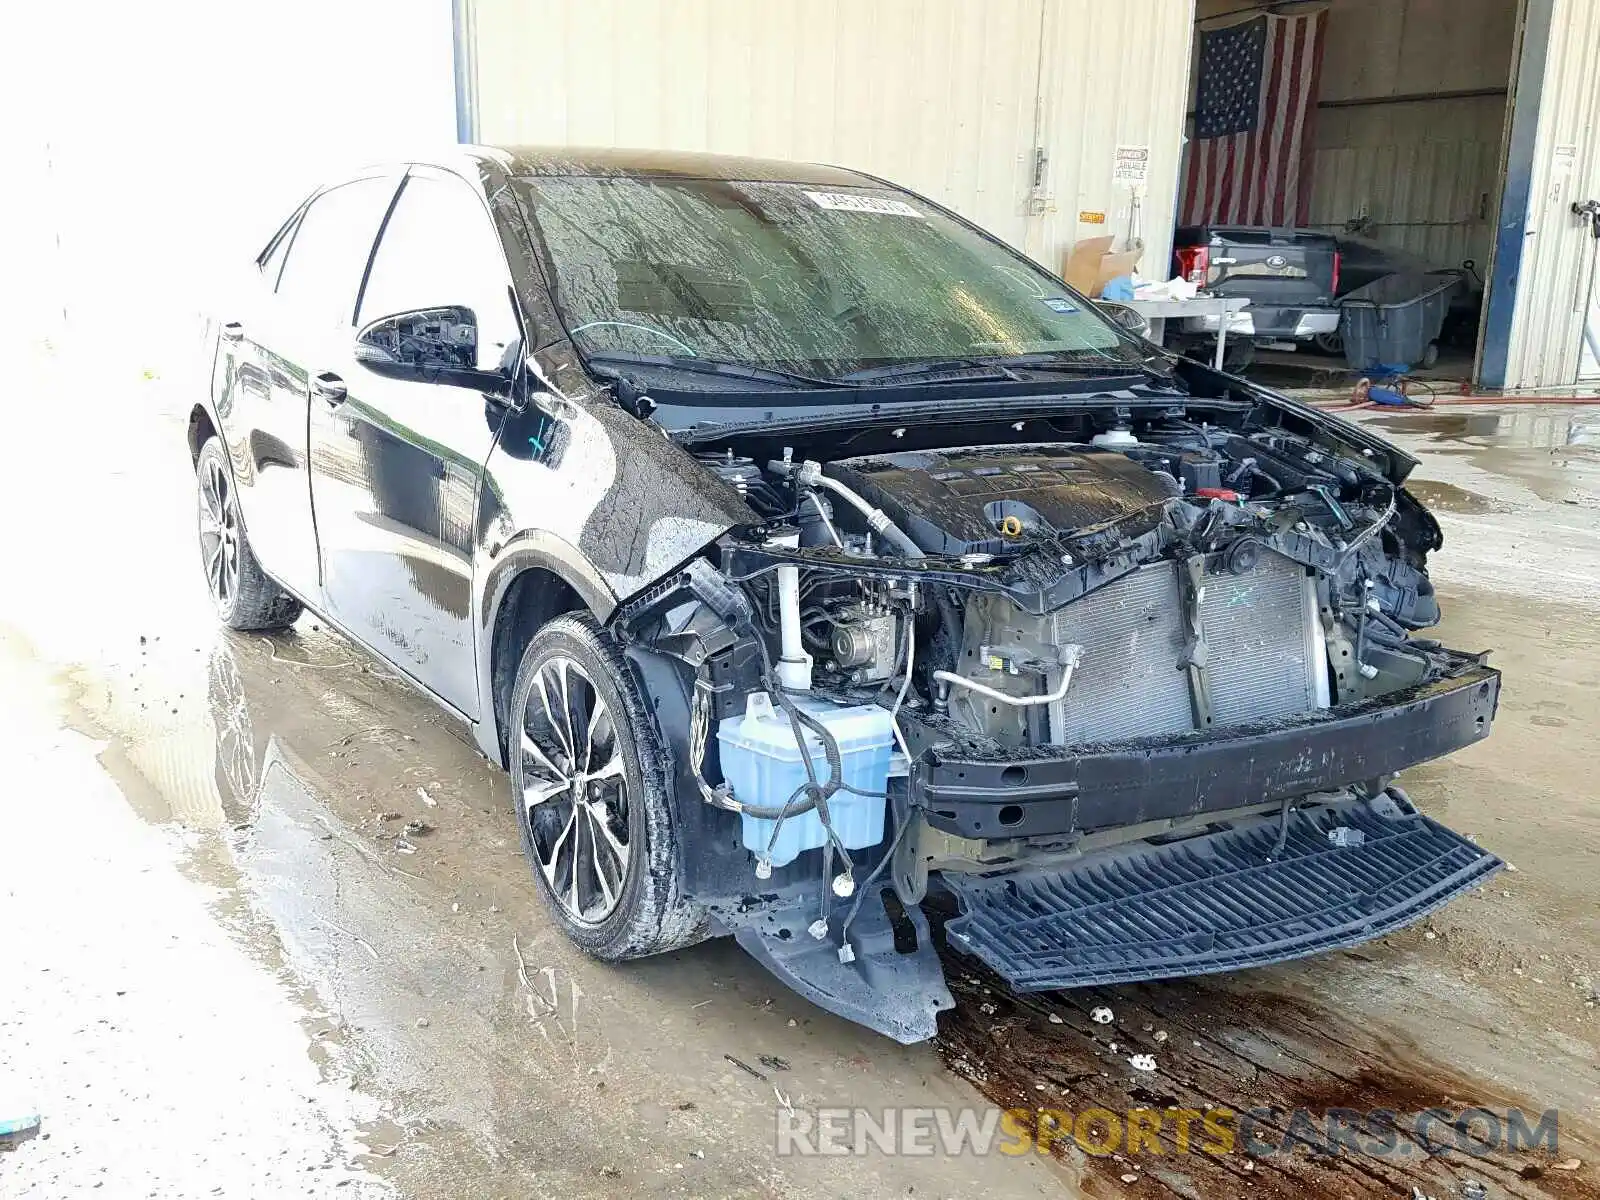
(1388, 324)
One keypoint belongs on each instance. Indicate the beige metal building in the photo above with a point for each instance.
(1458, 129)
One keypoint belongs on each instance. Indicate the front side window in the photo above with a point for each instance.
(328, 255)
(440, 250)
(828, 280)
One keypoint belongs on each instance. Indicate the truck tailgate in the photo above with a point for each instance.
(1274, 267)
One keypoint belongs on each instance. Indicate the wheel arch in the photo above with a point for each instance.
(201, 429)
(530, 584)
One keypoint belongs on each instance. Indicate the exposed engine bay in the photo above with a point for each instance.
(1208, 572)
(994, 655)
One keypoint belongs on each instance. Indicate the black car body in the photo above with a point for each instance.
(804, 553)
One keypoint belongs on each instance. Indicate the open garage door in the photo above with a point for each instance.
(1377, 124)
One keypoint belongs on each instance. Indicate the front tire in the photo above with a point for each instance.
(244, 597)
(593, 799)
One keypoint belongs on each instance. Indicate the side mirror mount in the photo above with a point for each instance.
(428, 345)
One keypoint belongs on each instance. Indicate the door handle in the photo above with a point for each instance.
(232, 331)
(329, 386)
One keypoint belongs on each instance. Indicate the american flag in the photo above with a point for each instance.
(1249, 160)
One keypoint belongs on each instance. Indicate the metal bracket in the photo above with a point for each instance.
(1192, 581)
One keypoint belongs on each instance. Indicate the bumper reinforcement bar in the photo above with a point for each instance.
(976, 795)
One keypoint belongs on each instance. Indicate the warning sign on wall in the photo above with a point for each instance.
(1132, 165)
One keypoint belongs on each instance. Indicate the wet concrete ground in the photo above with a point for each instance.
(269, 928)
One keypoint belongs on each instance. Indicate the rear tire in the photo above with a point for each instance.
(244, 597)
(1237, 355)
(593, 797)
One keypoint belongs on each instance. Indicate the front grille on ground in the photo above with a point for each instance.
(1214, 902)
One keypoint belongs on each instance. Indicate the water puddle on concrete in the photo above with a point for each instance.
(307, 783)
(1552, 451)
(357, 842)
(1449, 497)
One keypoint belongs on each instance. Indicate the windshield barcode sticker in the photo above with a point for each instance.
(849, 202)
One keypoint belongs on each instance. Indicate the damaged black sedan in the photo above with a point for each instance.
(806, 556)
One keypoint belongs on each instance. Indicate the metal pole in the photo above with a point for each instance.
(465, 70)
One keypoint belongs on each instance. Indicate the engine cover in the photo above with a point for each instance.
(988, 499)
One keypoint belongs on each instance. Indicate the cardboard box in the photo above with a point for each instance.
(1113, 265)
(1083, 263)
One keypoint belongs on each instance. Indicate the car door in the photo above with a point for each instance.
(317, 279)
(396, 463)
(262, 433)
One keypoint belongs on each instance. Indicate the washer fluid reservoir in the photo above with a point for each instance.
(762, 762)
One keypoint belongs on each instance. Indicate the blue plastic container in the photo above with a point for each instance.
(761, 762)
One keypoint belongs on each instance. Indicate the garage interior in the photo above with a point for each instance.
(1403, 145)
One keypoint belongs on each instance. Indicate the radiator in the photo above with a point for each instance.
(1263, 647)
(1128, 683)
(1261, 640)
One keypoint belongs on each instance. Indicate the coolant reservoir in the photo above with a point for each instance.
(761, 762)
(1114, 439)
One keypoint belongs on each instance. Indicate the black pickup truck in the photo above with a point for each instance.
(1290, 276)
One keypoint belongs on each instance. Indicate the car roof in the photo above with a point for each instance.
(602, 161)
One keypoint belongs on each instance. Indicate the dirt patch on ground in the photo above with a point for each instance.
(1317, 1106)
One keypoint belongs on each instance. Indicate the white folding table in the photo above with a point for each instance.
(1157, 313)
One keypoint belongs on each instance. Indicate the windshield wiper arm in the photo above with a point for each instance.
(937, 366)
(1049, 360)
(715, 366)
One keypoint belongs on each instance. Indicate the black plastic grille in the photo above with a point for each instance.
(1214, 902)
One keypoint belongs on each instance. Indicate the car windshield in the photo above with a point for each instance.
(820, 280)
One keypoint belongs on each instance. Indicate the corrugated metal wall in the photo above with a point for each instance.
(1558, 259)
(1115, 73)
(949, 97)
(1423, 174)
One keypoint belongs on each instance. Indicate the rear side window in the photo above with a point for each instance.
(329, 252)
(440, 249)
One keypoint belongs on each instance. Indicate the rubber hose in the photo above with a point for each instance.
(901, 541)
(816, 793)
